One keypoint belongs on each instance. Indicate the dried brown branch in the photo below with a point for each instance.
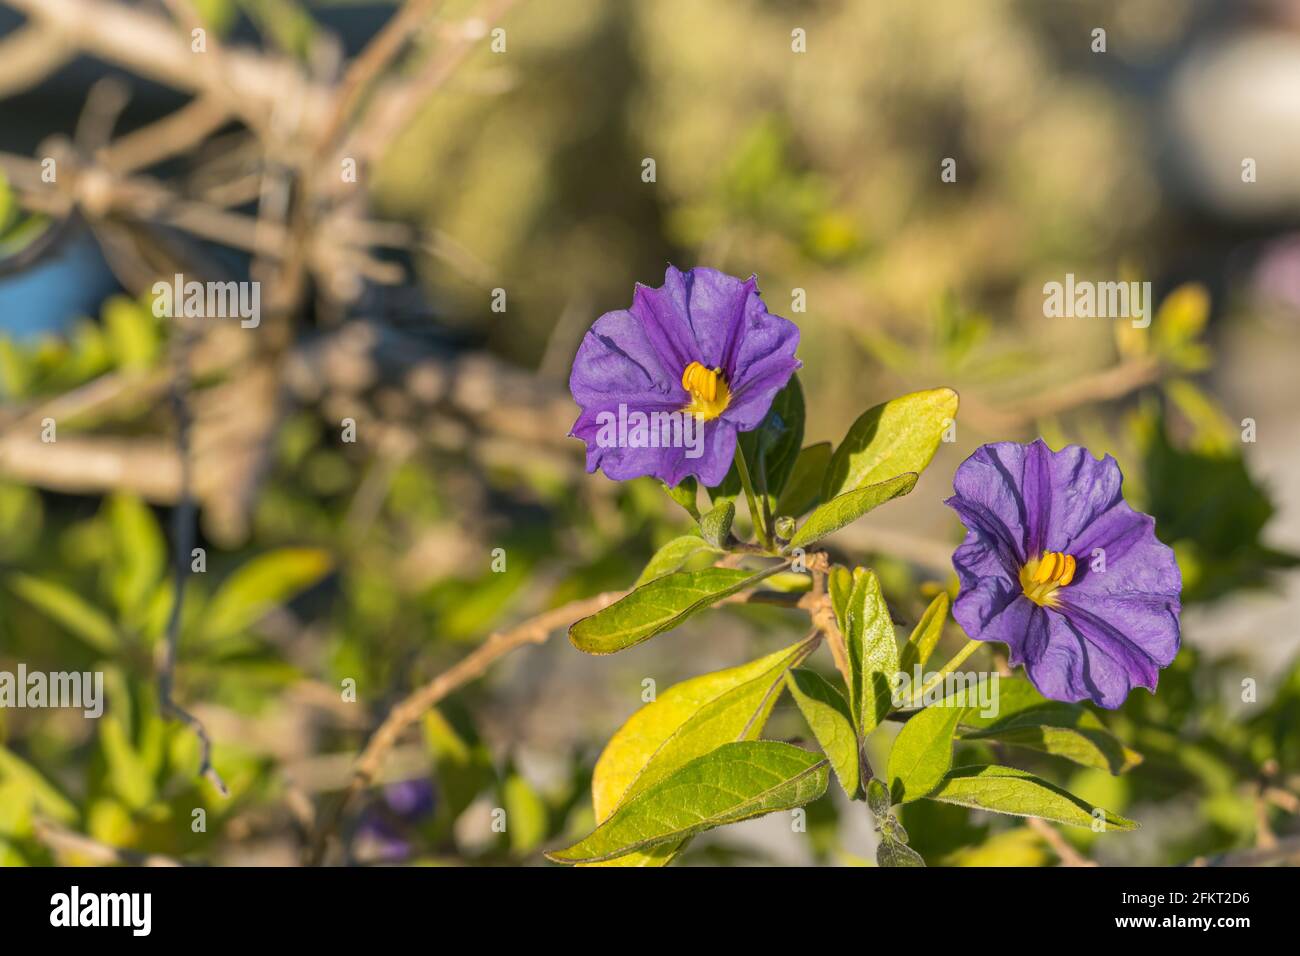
(28, 56)
(152, 47)
(373, 60)
(175, 133)
(397, 106)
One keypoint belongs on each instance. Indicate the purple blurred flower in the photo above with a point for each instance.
(1058, 567)
(1277, 274)
(666, 385)
(389, 825)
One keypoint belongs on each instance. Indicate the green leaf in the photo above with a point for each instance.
(686, 494)
(926, 634)
(878, 800)
(849, 507)
(139, 555)
(132, 333)
(687, 721)
(44, 795)
(735, 782)
(261, 584)
(828, 716)
(127, 771)
(803, 488)
(660, 606)
(1027, 719)
(892, 852)
(873, 651)
(840, 580)
(715, 527)
(67, 608)
(1021, 794)
(672, 556)
(1090, 746)
(527, 817)
(922, 753)
(892, 439)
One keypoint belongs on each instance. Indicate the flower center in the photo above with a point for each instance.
(708, 390)
(1040, 577)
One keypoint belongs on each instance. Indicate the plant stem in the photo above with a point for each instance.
(956, 661)
(755, 515)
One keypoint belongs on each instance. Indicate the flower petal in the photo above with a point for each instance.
(616, 363)
(764, 363)
(668, 464)
(1072, 660)
(988, 493)
(664, 315)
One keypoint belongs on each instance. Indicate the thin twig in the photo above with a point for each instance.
(1067, 854)
(376, 57)
(183, 520)
(533, 631)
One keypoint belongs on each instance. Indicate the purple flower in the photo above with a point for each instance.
(1058, 567)
(666, 385)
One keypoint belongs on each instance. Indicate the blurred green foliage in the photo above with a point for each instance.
(819, 178)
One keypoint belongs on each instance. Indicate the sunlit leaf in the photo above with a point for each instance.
(922, 752)
(686, 721)
(831, 722)
(660, 606)
(849, 507)
(1021, 794)
(926, 634)
(873, 651)
(735, 782)
(889, 440)
(673, 555)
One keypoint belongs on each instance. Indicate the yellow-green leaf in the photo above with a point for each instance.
(1015, 792)
(849, 507)
(922, 752)
(66, 607)
(891, 439)
(735, 782)
(261, 584)
(660, 606)
(831, 722)
(873, 651)
(673, 555)
(685, 721)
(926, 634)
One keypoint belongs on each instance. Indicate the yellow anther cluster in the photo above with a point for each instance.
(708, 390)
(1041, 577)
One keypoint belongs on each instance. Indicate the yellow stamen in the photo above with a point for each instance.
(1067, 573)
(708, 390)
(1041, 577)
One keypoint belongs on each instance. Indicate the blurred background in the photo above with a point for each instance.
(501, 202)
